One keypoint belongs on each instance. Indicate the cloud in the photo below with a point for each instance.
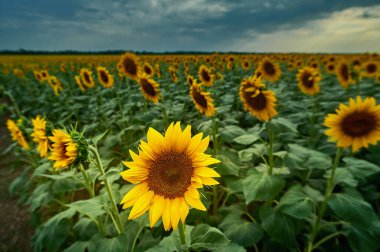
(355, 29)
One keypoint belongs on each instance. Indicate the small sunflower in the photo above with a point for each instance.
(343, 73)
(173, 74)
(356, 125)
(370, 69)
(167, 173)
(64, 149)
(270, 71)
(150, 88)
(330, 68)
(148, 69)
(157, 70)
(87, 78)
(190, 79)
(16, 134)
(308, 79)
(79, 83)
(246, 65)
(104, 77)
(205, 76)
(261, 103)
(39, 135)
(55, 84)
(130, 65)
(202, 100)
(37, 75)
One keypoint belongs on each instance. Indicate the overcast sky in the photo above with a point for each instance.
(205, 25)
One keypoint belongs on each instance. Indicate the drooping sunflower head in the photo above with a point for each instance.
(39, 135)
(149, 88)
(270, 71)
(148, 69)
(167, 172)
(130, 65)
(205, 76)
(104, 77)
(308, 79)
(330, 68)
(87, 78)
(343, 73)
(17, 134)
(202, 100)
(260, 103)
(356, 125)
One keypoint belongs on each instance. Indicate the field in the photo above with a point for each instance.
(212, 152)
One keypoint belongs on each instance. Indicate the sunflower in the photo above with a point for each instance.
(356, 125)
(330, 68)
(39, 135)
(246, 65)
(104, 77)
(167, 173)
(37, 75)
(370, 69)
(157, 70)
(173, 74)
(259, 102)
(148, 69)
(129, 65)
(44, 75)
(190, 79)
(64, 149)
(230, 65)
(308, 79)
(204, 74)
(150, 88)
(344, 74)
(55, 84)
(87, 78)
(269, 70)
(202, 100)
(16, 134)
(79, 83)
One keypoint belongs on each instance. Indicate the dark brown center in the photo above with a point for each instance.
(344, 72)
(199, 98)
(307, 81)
(330, 67)
(269, 68)
(170, 174)
(147, 87)
(104, 76)
(205, 76)
(147, 70)
(371, 68)
(86, 77)
(130, 66)
(358, 124)
(258, 102)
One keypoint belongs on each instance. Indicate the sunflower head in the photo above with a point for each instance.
(148, 69)
(308, 79)
(270, 71)
(130, 65)
(17, 134)
(104, 77)
(149, 88)
(205, 76)
(167, 172)
(87, 78)
(39, 135)
(173, 74)
(356, 125)
(261, 103)
(371, 69)
(202, 100)
(343, 73)
(190, 79)
(79, 83)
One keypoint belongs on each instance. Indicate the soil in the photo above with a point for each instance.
(15, 228)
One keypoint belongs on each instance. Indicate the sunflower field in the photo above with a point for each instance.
(184, 152)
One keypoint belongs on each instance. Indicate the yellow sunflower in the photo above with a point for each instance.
(104, 77)
(44, 75)
(167, 173)
(157, 70)
(87, 78)
(55, 84)
(356, 125)
(173, 75)
(246, 65)
(370, 69)
(16, 134)
(130, 65)
(190, 79)
(330, 68)
(37, 75)
(79, 83)
(261, 103)
(39, 135)
(270, 71)
(148, 69)
(150, 88)
(64, 149)
(205, 76)
(344, 74)
(308, 79)
(202, 100)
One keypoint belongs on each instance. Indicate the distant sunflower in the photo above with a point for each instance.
(173, 74)
(87, 78)
(55, 84)
(205, 76)
(356, 125)
(261, 103)
(308, 79)
(157, 70)
(105, 78)
(44, 75)
(330, 68)
(270, 71)
(190, 80)
(79, 83)
(148, 69)
(370, 69)
(64, 149)
(246, 65)
(37, 75)
(167, 173)
(150, 88)
(16, 134)
(39, 135)
(202, 100)
(343, 73)
(130, 65)
(230, 65)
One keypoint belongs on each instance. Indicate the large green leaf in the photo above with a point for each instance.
(360, 168)
(303, 158)
(204, 237)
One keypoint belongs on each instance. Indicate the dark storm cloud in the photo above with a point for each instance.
(158, 25)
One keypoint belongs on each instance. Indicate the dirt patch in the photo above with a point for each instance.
(15, 228)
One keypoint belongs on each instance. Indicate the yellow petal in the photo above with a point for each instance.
(156, 210)
(184, 209)
(206, 172)
(166, 214)
(135, 192)
(194, 202)
(209, 181)
(141, 206)
(175, 213)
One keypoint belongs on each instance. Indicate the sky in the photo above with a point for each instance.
(345, 26)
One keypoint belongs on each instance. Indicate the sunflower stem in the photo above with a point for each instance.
(215, 148)
(87, 182)
(329, 189)
(270, 153)
(114, 211)
(182, 237)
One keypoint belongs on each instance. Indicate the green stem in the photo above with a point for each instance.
(326, 238)
(87, 182)
(270, 153)
(136, 237)
(328, 192)
(215, 147)
(181, 230)
(114, 211)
